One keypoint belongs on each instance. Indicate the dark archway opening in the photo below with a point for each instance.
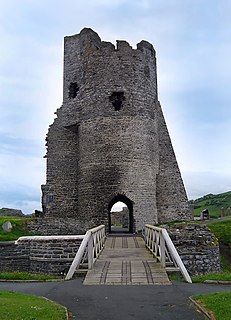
(120, 221)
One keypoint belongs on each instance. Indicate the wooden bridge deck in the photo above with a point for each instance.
(126, 261)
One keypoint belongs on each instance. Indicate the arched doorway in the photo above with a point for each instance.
(120, 221)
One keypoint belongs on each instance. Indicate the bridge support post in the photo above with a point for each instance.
(162, 251)
(90, 252)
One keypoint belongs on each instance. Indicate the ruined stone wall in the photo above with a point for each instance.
(14, 257)
(57, 226)
(60, 192)
(171, 194)
(120, 217)
(197, 247)
(107, 138)
(39, 254)
(53, 256)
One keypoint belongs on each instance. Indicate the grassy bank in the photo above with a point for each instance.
(19, 228)
(222, 230)
(18, 306)
(224, 276)
(218, 303)
(214, 203)
(25, 276)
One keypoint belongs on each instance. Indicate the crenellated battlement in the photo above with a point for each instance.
(87, 38)
(94, 69)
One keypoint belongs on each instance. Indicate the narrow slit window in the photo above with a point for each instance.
(73, 90)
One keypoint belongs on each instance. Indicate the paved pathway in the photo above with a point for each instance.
(126, 261)
(120, 302)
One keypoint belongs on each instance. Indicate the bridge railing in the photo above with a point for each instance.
(157, 240)
(90, 248)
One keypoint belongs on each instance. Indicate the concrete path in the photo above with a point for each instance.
(126, 261)
(120, 302)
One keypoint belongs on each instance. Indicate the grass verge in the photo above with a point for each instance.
(25, 276)
(19, 228)
(218, 303)
(18, 306)
(224, 276)
(222, 230)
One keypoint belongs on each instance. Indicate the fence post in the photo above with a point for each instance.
(146, 235)
(90, 252)
(162, 250)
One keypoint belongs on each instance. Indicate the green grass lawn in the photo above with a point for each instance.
(19, 228)
(218, 303)
(18, 306)
(25, 276)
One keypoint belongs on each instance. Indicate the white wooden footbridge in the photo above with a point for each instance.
(128, 259)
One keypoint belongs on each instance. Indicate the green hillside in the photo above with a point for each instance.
(214, 203)
(19, 228)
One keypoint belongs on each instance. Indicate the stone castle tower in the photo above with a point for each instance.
(109, 141)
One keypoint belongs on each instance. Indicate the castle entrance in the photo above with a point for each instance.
(120, 215)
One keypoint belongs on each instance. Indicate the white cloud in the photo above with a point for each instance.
(118, 206)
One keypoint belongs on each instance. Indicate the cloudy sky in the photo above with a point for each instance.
(192, 39)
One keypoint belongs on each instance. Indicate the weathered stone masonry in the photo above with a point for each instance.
(109, 140)
(197, 247)
(47, 255)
